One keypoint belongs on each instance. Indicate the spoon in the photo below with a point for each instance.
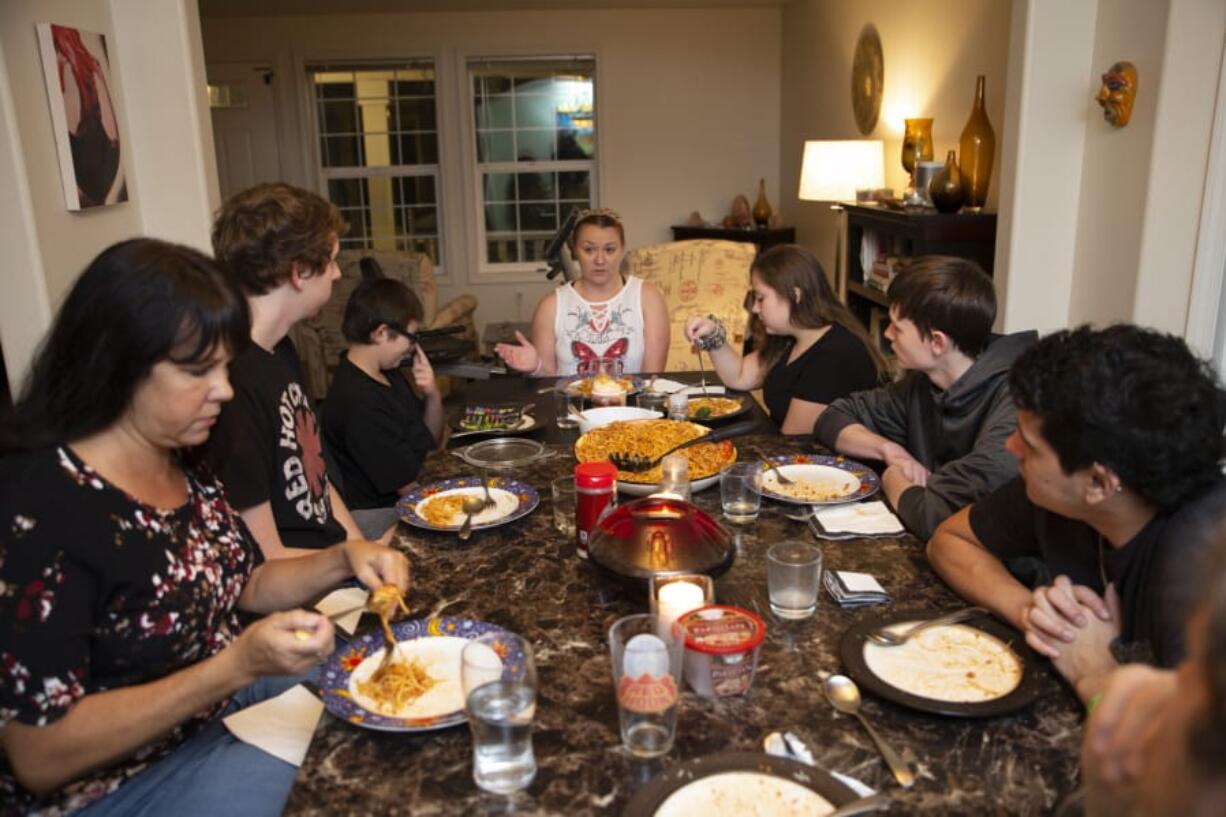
(844, 696)
(888, 638)
(472, 504)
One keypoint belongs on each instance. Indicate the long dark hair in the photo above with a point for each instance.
(788, 269)
(139, 302)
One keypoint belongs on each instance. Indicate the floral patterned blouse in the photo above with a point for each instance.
(100, 591)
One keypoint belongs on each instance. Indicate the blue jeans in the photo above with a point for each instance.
(212, 773)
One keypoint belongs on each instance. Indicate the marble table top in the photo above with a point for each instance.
(524, 576)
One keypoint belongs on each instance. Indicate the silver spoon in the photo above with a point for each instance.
(786, 744)
(844, 696)
(888, 638)
(472, 504)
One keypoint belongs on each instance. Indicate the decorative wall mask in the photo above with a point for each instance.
(867, 79)
(1118, 93)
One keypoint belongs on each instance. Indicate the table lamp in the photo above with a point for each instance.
(833, 170)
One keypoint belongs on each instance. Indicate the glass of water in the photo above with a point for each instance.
(564, 505)
(740, 492)
(566, 394)
(498, 677)
(647, 680)
(793, 575)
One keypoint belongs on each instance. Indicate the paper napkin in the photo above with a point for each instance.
(851, 589)
(344, 599)
(859, 518)
(281, 726)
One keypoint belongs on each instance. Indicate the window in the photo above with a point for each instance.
(378, 153)
(535, 127)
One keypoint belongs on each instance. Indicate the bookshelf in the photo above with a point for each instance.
(904, 235)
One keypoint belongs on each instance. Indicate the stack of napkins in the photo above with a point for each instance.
(855, 521)
(851, 589)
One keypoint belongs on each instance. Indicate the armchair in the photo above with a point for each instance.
(697, 277)
(319, 340)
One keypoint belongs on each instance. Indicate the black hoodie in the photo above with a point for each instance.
(957, 434)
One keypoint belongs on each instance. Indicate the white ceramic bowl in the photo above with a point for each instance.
(597, 417)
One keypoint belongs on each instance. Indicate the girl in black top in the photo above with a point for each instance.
(122, 565)
(808, 348)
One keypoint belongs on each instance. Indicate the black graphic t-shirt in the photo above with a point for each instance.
(266, 447)
(100, 591)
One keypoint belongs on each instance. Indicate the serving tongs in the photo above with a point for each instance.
(625, 461)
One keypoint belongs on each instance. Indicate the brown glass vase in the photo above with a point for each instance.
(916, 144)
(946, 187)
(761, 207)
(977, 149)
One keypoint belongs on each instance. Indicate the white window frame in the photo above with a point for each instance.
(323, 173)
(518, 270)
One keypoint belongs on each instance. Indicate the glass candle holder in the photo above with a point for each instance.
(671, 597)
(675, 476)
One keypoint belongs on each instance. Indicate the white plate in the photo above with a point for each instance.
(505, 504)
(746, 792)
(441, 659)
(845, 486)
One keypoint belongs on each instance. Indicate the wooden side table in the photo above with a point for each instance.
(762, 239)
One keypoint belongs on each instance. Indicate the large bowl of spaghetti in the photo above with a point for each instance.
(650, 439)
(420, 688)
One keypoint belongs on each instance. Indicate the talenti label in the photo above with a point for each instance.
(647, 693)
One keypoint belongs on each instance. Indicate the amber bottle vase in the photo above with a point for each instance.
(977, 149)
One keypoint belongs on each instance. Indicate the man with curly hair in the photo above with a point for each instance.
(1119, 444)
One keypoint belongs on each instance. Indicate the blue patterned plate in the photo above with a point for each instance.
(436, 643)
(821, 480)
(514, 500)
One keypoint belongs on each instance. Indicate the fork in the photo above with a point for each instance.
(625, 461)
(889, 638)
(702, 372)
(783, 480)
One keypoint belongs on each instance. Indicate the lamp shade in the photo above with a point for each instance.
(832, 170)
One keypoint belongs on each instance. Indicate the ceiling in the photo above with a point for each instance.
(279, 8)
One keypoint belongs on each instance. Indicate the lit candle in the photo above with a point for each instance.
(674, 600)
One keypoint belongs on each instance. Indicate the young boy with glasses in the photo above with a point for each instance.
(376, 428)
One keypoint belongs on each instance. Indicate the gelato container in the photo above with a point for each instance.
(721, 649)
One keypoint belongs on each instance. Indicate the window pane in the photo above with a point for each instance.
(534, 245)
(501, 251)
(376, 115)
(417, 149)
(335, 90)
(413, 87)
(423, 220)
(374, 83)
(338, 117)
(534, 146)
(499, 218)
(499, 186)
(341, 151)
(416, 114)
(377, 151)
(488, 84)
(536, 186)
(534, 111)
(429, 246)
(495, 112)
(357, 223)
(416, 190)
(574, 144)
(538, 217)
(346, 192)
(574, 185)
(496, 146)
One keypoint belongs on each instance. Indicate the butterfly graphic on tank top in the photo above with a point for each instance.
(587, 357)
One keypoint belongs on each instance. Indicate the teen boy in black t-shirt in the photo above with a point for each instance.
(279, 244)
(1119, 444)
(376, 428)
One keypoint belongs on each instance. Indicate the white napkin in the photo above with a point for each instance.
(343, 599)
(866, 518)
(281, 726)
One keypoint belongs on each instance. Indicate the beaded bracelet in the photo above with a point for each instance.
(714, 340)
(1094, 701)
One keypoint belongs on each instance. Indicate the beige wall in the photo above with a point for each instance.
(932, 53)
(46, 246)
(687, 100)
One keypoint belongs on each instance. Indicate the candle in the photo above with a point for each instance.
(674, 600)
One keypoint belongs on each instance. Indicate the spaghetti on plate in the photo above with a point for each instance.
(650, 439)
(702, 408)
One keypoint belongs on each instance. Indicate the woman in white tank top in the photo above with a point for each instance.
(599, 316)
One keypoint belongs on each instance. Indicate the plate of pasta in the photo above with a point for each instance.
(438, 506)
(706, 409)
(419, 690)
(650, 438)
(818, 479)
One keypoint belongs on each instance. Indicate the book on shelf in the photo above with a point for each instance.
(882, 272)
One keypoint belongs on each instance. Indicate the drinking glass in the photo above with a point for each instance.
(498, 677)
(678, 406)
(563, 398)
(564, 505)
(647, 680)
(740, 492)
(793, 575)
(653, 401)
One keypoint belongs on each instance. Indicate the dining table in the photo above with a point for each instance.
(526, 577)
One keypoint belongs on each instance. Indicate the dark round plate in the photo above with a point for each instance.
(851, 651)
(744, 399)
(653, 794)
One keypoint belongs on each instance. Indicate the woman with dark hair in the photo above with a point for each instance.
(601, 316)
(122, 566)
(808, 348)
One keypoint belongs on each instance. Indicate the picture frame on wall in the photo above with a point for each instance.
(83, 116)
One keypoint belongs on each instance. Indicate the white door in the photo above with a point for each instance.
(243, 104)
